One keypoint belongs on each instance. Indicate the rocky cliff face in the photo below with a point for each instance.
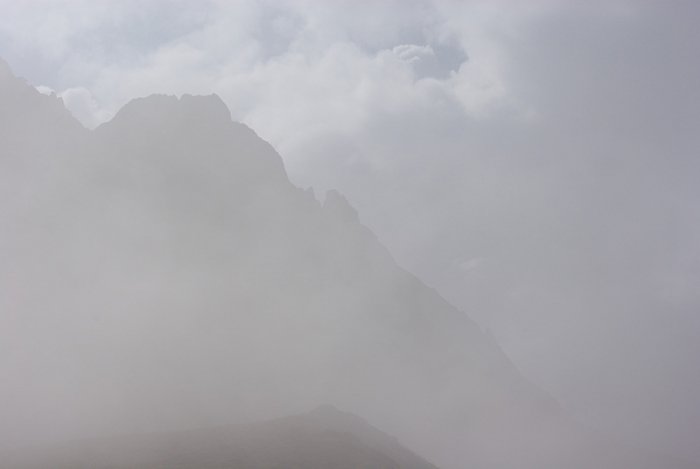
(162, 273)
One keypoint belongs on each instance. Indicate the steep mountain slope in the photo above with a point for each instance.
(162, 273)
(325, 438)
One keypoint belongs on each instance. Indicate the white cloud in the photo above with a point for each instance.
(45, 90)
(271, 63)
(84, 107)
(412, 53)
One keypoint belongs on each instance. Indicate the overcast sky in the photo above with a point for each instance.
(535, 162)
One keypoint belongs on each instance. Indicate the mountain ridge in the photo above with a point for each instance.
(322, 438)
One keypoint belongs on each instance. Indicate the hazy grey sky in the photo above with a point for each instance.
(535, 162)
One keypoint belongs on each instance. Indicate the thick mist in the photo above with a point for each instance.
(535, 165)
(161, 273)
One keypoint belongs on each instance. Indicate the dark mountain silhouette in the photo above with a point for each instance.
(162, 273)
(325, 438)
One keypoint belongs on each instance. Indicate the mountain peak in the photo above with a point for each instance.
(206, 105)
(159, 108)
